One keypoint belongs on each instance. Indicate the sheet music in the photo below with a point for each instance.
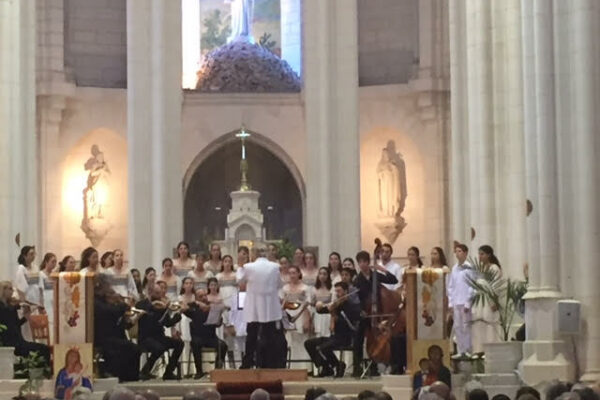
(214, 315)
(241, 299)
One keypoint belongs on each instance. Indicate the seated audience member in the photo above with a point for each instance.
(366, 395)
(203, 336)
(260, 394)
(437, 370)
(441, 389)
(500, 397)
(152, 333)
(327, 396)
(121, 393)
(421, 375)
(528, 390)
(477, 394)
(555, 390)
(314, 392)
(192, 395)
(383, 396)
(584, 392)
(210, 394)
(9, 317)
(149, 395)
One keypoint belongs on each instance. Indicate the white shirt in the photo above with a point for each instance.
(459, 292)
(262, 287)
(28, 282)
(395, 269)
(122, 282)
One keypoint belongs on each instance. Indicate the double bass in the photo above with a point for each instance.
(387, 316)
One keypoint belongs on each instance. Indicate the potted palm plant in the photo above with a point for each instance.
(33, 368)
(503, 295)
(7, 358)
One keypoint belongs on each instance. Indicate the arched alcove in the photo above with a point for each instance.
(216, 172)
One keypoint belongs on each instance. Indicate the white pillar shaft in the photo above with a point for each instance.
(458, 144)
(547, 203)
(154, 126)
(331, 98)
(18, 147)
(586, 77)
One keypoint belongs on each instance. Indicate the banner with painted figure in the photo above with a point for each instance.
(430, 303)
(71, 308)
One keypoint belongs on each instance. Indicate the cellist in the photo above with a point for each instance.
(364, 284)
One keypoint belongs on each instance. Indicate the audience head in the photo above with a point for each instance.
(81, 393)
(365, 394)
(526, 396)
(121, 393)
(501, 397)
(441, 389)
(210, 394)
(150, 395)
(326, 396)
(584, 392)
(477, 394)
(528, 390)
(314, 392)
(192, 395)
(555, 390)
(6, 291)
(383, 396)
(27, 255)
(260, 394)
(569, 396)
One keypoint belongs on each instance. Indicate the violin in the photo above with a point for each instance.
(388, 316)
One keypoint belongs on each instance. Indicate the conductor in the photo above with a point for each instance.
(262, 313)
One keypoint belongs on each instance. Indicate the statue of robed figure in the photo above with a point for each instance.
(242, 13)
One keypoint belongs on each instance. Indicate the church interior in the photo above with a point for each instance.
(176, 137)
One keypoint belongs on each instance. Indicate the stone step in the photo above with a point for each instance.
(497, 379)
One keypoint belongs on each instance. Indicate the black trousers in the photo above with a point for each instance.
(321, 350)
(23, 349)
(359, 340)
(198, 342)
(266, 346)
(398, 349)
(122, 358)
(157, 346)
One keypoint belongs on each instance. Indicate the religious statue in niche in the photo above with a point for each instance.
(95, 197)
(391, 192)
(242, 12)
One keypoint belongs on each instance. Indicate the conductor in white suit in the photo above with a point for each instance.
(262, 313)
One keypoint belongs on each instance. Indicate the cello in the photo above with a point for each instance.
(388, 316)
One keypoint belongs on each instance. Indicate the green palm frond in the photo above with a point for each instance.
(504, 295)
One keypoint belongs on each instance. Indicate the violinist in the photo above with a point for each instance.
(9, 317)
(203, 336)
(321, 349)
(122, 357)
(152, 333)
(364, 284)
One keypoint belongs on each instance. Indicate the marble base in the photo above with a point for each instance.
(544, 360)
(502, 357)
(7, 362)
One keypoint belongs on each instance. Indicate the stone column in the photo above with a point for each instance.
(154, 128)
(586, 178)
(543, 353)
(18, 141)
(331, 101)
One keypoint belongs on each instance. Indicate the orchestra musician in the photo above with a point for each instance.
(346, 315)
(122, 357)
(203, 335)
(9, 317)
(364, 284)
(152, 333)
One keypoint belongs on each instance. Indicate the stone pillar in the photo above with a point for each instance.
(331, 101)
(458, 141)
(154, 98)
(544, 354)
(586, 178)
(53, 90)
(18, 141)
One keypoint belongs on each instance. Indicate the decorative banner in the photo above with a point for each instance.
(430, 303)
(71, 308)
(73, 367)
